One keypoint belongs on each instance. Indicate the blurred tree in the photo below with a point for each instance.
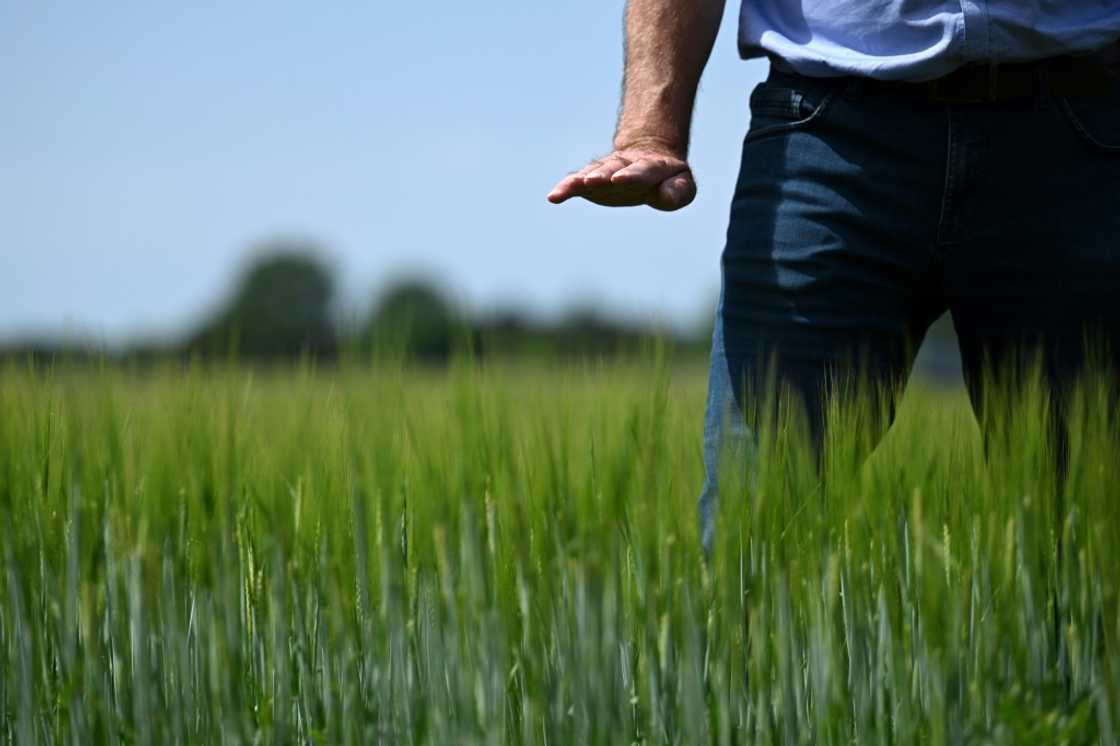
(414, 318)
(281, 309)
(584, 331)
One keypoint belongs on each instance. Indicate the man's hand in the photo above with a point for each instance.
(642, 174)
(667, 46)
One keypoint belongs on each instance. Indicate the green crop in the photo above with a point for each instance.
(509, 554)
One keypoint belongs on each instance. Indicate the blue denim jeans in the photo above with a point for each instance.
(860, 217)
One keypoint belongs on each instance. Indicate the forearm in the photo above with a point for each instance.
(668, 43)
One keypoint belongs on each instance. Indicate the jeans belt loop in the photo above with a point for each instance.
(993, 81)
(1042, 82)
(935, 89)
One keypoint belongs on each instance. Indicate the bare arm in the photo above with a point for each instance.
(668, 43)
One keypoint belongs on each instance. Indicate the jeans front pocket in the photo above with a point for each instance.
(786, 103)
(1095, 119)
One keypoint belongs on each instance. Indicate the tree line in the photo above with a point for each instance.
(285, 307)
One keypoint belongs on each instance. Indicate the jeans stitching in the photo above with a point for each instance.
(775, 129)
(947, 197)
(1080, 128)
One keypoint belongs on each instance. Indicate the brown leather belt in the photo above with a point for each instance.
(981, 83)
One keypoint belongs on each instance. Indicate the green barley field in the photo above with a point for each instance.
(509, 554)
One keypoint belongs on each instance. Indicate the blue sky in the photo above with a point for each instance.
(147, 148)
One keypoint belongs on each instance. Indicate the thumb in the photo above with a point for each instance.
(674, 193)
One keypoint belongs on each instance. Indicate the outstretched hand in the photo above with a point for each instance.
(638, 175)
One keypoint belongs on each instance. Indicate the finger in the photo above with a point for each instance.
(565, 189)
(590, 167)
(674, 193)
(602, 173)
(649, 172)
(571, 185)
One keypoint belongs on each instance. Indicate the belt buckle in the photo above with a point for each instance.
(989, 95)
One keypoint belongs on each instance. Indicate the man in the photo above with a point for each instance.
(904, 158)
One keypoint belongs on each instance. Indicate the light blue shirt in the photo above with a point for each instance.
(921, 39)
